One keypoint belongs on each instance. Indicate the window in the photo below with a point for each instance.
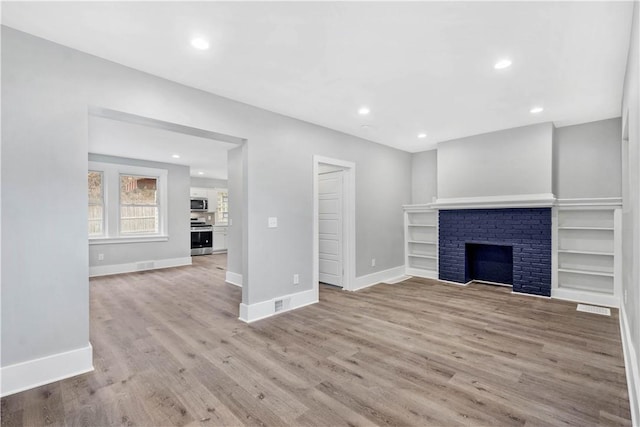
(127, 203)
(96, 204)
(222, 213)
(139, 210)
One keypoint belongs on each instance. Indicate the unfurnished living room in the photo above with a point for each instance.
(320, 213)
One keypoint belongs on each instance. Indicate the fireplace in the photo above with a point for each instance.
(515, 239)
(489, 263)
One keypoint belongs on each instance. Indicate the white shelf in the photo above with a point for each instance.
(588, 254)
(587, 228)
(423, 256)
(585, 272)
(571, 251)
(421, 241)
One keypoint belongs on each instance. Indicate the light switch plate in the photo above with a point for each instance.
(273, 222)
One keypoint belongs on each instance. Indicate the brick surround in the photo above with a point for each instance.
(528, 230)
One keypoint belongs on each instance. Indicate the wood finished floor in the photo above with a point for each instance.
(169, 350)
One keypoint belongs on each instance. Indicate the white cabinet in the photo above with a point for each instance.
(588, 254)
(219, 238)
(198, 192)
(212, 195)
(421, 241)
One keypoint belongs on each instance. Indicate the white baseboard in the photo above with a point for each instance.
(377, 277)
(630, 367)
(418, 272)
(261, 310)
(233, 278)
(585, 297)
(34, 373)
(455, 283)
(105, 270)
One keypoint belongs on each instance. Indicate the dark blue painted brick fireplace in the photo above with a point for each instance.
(527, 230)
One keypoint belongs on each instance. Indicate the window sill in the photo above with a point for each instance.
(132, 239)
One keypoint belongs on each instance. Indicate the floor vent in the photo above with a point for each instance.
(594, 309)
(278, 306)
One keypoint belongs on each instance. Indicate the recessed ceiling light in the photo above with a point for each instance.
(200, 44)
(363, 111)
(536, 110)
(502, 64)
(422, 135)
(200, 173)
(176, 156)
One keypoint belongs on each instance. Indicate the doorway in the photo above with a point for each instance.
(334, 223)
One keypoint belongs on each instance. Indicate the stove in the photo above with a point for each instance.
(201, 238)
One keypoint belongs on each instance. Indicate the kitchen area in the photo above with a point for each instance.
(209, 220)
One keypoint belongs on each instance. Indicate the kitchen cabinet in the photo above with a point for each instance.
(198, 192)
(219, 238)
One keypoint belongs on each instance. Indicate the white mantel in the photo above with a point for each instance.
(544, 200)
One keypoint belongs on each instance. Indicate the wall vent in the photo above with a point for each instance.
(594, 309)
(279, 305)
(146, 265)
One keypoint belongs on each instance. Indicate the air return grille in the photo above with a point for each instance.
(594, 309)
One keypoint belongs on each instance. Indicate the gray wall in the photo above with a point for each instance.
(46, 91)
(507, 162)
(208, 182)
(179, 243)
(236, 209)
(588, 160)
(631, 184)
(424, 176)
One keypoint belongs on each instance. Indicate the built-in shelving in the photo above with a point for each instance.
(587, 255)
(421, 241)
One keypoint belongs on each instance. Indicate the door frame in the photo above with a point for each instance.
(349, 222)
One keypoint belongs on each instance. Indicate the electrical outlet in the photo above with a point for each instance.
(100, 257)
(272, 222)
(296, 279)
(373, 262)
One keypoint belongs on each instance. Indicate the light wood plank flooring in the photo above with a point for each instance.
(169, 350)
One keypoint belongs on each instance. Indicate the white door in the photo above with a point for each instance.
(330, 218)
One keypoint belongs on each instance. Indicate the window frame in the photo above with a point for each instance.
(111, 173)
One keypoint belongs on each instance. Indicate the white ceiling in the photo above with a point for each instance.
(118, 138)
(419, 66)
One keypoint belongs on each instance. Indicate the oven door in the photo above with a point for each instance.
(201, 242)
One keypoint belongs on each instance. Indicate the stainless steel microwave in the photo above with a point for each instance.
(199, 204)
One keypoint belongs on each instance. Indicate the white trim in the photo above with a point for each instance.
(449, 282)
(349, 263)
(130, 267)
(497, 202)
(418, 272)
(487, 282)
(234, 279)
(591, 202)
(122, 239)
(261, 310)
(630, 367)
(34, 373)
(422, 207)
(586, 297)
(530, 295)
(391, 274)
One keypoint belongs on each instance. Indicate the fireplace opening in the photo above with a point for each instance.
(489, 263)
